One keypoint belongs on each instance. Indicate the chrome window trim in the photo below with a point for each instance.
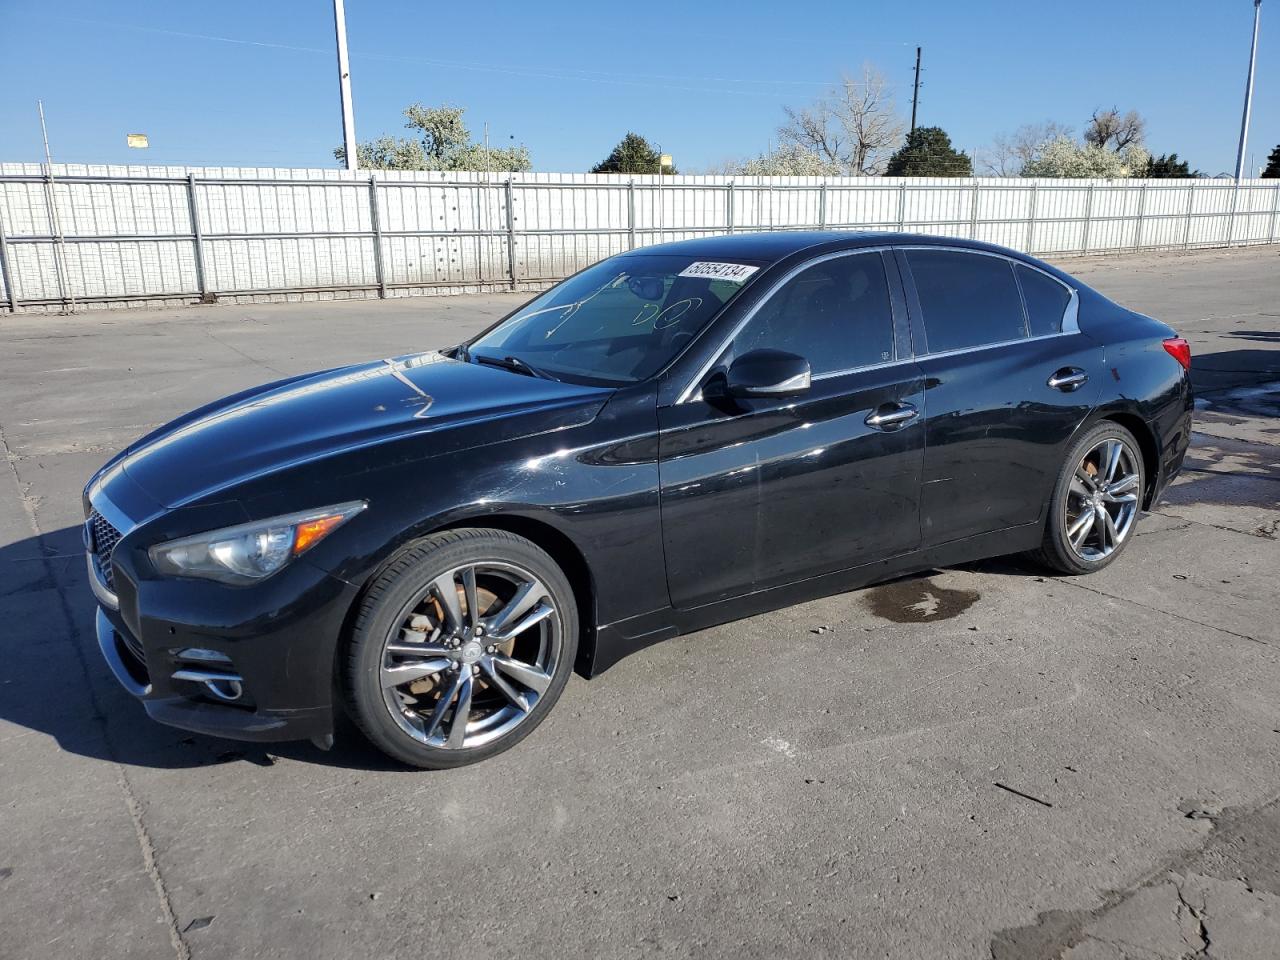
(688, 393)
(1070, 316)
(870, 366)
(991, 346)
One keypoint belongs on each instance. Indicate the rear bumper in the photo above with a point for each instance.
(1173, 438)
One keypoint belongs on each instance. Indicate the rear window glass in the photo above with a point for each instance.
(1047, 301)
(968, 299)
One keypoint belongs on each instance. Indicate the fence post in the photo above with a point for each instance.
(1031, 218)
(1275, 209)
(1142, 209)
(631, 212)
(902, 206)
(1191, 203)
(376, 222)
(728, 207)
(511, 237)
(197, 240)
(1088, 219)
(7, 272)
(1231, 217)
(822, 206)
(973, 212)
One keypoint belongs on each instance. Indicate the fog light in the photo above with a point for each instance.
(227, 687)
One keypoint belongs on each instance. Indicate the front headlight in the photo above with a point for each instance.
(250, 551)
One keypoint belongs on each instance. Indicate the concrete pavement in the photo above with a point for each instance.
(979, 762)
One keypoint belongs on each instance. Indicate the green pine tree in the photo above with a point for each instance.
(633, 154)
(928, 153)
(1273, 164)
(1166, 166)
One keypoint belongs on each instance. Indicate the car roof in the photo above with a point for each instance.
(776, 245)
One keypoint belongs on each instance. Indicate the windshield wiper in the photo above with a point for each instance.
(515, 365)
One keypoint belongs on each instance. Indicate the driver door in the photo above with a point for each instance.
(760, 492)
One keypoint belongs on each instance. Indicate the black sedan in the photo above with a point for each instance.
(675, 437)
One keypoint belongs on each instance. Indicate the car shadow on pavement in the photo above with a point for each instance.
(55, 682)
(1224, 369)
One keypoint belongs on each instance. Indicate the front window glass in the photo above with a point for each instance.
(836, 314)
(620, 321)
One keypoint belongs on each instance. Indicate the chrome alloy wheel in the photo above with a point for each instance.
(472, 656)
(1102, 501)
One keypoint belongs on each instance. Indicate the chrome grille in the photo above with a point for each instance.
(103, 538)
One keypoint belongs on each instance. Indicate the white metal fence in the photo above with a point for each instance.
(120, 236)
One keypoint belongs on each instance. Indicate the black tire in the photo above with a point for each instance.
(391, 601)
(1056, 550)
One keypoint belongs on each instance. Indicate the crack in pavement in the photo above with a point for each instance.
(1217, 860)
(132, 804)
(1168, 613)
(1202, 949)
(1258, 533)
(236, 350)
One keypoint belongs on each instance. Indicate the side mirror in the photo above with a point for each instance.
(765, 373)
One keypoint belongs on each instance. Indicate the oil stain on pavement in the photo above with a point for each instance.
(917, 600)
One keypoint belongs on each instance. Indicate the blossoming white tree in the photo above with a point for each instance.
(1063, 157)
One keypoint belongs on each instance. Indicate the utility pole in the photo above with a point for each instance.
(915, 93)
(344, 85)
(1248, 92)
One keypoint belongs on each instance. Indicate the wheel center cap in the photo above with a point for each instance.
(471, 651)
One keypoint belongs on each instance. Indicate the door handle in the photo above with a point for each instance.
(889, 416)
(1068, 379)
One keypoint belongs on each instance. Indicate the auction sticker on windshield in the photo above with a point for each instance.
(733, 272)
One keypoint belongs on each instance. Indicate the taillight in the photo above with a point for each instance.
(1180, 350)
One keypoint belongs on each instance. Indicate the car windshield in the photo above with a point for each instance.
(617, 322)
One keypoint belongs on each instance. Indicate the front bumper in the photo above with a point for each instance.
(252, 663)
(195, 713)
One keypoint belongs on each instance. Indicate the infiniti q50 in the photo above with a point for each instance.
(675, 437)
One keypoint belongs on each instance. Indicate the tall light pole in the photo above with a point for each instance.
(344, 85)
(1248, 91)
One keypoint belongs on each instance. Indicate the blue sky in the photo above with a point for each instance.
(706, 80)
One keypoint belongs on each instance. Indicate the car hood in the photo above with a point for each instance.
(293, 421)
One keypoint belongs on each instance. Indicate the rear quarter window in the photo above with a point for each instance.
(1046, 299)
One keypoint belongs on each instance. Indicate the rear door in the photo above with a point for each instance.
(1009, 379)
(762, 492)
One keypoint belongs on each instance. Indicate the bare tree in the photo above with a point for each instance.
(1112, 131)
(1010, 153)
(852, 129)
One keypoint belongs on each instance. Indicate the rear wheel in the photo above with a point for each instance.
(460, 648)
(1096, 502)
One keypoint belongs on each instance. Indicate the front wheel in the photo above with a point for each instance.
(1096, 502)
(460, 648)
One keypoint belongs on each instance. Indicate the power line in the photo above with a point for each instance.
(541, 72)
